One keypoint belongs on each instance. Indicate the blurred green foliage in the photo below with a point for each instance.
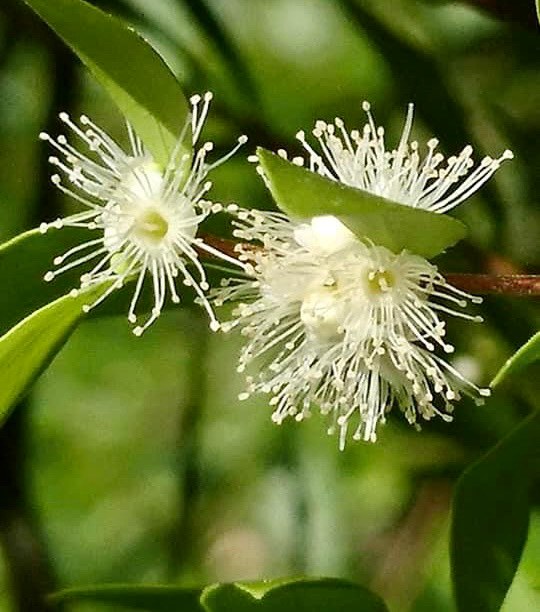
(139, 463)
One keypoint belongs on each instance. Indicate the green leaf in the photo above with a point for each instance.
(136, 597)
(527, 354)
(490, 518)
(308, 595)
(27, 348)
(25, 259)
(134, 75)
(302, 193)
(538, 10)
(286, 595)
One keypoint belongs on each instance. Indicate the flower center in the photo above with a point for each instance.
(322, 313)
(380, 281)
(151, 226)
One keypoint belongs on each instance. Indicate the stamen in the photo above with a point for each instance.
(148, 219)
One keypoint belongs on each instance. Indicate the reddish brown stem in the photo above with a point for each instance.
(504, 284)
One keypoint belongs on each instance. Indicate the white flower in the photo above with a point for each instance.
(348, 327)
(361, 160)
(147, 217)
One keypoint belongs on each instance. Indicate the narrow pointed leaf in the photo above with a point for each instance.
(303, 194)
(134, 75)
(490, 519)
(27, 348)
(527, 354)
(136, 597)
(26, 258)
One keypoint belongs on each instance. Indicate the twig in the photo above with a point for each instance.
(524, 285)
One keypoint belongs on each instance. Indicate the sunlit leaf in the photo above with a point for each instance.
(25, 259)
(27, 348)
(134, 75)
(302, 193)
(527, 354)
(310, 595)
(490, 518)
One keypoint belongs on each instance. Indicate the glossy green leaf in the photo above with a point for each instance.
(303, 194)
(538, 10)
(490, 518)
(136, 597)
(134, 75)
(27, 348)
(309, 595)
(527, 354)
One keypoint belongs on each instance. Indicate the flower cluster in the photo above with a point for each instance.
(331, 321)
(147, 217)
(343, 324)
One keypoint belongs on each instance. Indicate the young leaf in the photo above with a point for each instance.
(136, 597)
(302, 193)
(27, 348)
(526, 355)
(538, 10)
(490, 518)
(134, 75)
